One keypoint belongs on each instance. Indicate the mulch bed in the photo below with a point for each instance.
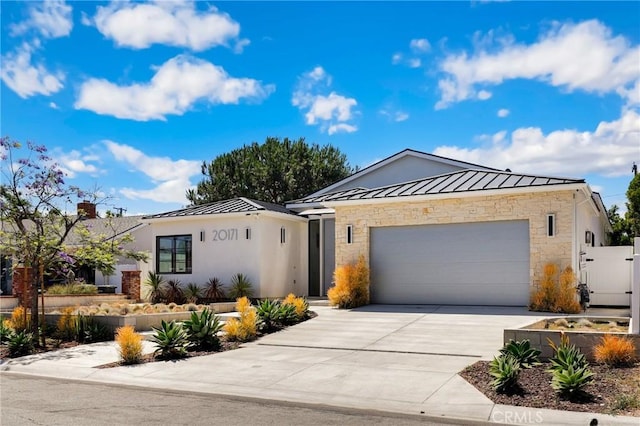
(225, 346)
(602, 395)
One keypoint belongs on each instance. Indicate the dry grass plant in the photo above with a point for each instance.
(615, 351)
(130, 344)
(351, 287)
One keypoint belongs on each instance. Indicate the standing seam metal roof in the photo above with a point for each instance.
(455, 182)
(233, 205)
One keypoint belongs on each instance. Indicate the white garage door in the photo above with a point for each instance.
(484, 263)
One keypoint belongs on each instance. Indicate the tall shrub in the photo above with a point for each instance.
(351, 287)
(556, 294)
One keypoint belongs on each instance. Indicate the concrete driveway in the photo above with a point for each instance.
(392, 358)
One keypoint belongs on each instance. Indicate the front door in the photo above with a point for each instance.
(314, 258)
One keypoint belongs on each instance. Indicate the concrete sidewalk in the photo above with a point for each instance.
(378, 358)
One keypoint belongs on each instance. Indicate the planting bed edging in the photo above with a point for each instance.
(584, 340)
(144, 322)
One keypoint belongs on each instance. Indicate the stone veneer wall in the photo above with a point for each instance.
(533, 207)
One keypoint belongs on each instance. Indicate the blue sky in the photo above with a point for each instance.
(132, 97)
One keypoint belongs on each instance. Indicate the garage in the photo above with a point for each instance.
(483, 263)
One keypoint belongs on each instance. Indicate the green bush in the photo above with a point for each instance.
(192, 293)
(74, 288)
(5, 331)
(20, 343)
(522, 351)
(214, 290)
(157, 287)
(202, 329)
(171, 340)
(505, 370)
(88, 330)
(240, 287)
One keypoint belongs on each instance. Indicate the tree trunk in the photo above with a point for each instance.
(33, 293)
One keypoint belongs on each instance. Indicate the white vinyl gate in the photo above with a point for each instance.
(608, 273)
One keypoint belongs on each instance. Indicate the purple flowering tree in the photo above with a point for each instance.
(33, 209)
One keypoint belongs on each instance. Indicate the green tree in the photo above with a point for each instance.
(620, 235)
(633, 206)
(275, 171)
(35, 224)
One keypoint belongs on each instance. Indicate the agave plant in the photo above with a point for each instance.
(202, 329)
(240, 287)
(505, 370)
(288, 315)
(214, 289)
(570, 383)
(156, 285)
(171, 340)
(566, 355)
(20, 343)
(522, 351)
(192, 293)
(270, 314)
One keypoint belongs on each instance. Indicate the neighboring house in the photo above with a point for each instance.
(111, 227)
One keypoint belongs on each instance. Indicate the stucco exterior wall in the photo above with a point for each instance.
(533, 207)
(274, 269)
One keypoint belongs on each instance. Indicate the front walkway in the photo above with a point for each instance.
(389, 358)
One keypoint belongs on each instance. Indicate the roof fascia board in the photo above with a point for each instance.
(468, 194)
(231, 215)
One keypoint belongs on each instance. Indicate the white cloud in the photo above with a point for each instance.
(333, 112)
(396, 116)
(420, 45)
(51, 18)
(171, 177)
(584, 56)
(608, 150)
(74, 162)
(503, 112)
(176, 86)
(483, 95)
(140, 25)
(53, 105)
(28, 79)
(414, 63)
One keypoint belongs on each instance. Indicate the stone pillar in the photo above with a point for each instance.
(131, 284)
(21, 278)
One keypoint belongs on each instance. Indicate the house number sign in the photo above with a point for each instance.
(225, 234)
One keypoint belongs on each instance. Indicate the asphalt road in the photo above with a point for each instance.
(26, 400)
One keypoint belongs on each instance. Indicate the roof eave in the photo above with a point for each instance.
(451, 195)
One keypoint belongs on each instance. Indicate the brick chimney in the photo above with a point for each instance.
(88, 209)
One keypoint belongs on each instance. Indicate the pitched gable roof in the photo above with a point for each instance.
(395, 157)
(233, 205)
(464, 181)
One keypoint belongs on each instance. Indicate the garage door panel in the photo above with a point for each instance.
(483, 263)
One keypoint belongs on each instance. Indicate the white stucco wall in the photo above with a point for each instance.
(274, 269)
